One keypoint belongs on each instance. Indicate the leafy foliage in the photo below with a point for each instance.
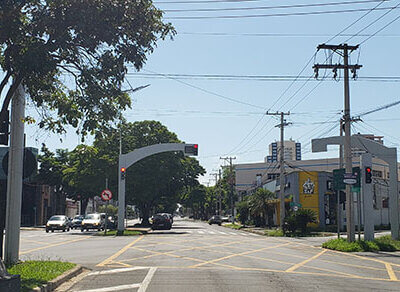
(297, 221)
(260, 205)
(243, 211)
(91, 42)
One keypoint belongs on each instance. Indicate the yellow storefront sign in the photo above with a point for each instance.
(308, 191)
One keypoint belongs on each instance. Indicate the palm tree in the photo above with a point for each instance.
(259, 204)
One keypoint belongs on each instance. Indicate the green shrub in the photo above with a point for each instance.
(275, 232)
(297, 221)
(384, 243)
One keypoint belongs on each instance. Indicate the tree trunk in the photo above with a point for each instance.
(145, 215)
(84, 203)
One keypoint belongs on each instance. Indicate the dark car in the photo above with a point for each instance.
(168, 215)
(216, 219)
(161, 222)
(77, 221)
(57, 222)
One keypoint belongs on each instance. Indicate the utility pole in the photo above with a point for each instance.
(282, 125)
(216, 182)
(219, 194)
(231, 182)
(14, 179)
(338, 219)
(343, 50)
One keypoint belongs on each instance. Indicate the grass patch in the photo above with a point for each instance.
(37, 273)
(114, 233)
(233, 225)
(274, 232)
(384, 243)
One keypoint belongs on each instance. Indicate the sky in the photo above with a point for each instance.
(255, 50)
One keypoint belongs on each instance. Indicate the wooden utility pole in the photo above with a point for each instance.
(343, 50)
(282, 125)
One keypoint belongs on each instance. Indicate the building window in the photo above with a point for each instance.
(385, 203)
(377, 173)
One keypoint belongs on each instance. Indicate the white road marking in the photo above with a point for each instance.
(232, 233)
(189, 231)
(211, 232)
(115, 288)
(201, 232)
(147, 279)
(116, 271)
(220, 232)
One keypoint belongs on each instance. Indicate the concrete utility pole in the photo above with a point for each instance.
(282, 125)
(216, 182)
(343, 50)
(14, 179)
(231, 182)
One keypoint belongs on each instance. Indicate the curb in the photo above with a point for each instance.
(53, 284)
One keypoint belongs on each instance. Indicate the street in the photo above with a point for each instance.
(195, 256)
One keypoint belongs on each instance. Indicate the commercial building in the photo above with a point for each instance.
(308, 183)
(291, 152)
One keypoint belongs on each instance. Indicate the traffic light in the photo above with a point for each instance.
(123, 173)
(4, 126)
(368, 175)
(192, 149)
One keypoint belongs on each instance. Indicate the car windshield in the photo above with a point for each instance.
(92, 216)
(56, 218)
(78, 217)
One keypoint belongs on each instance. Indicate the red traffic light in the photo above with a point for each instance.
(123, 169)
(196, 146)
(368, 169)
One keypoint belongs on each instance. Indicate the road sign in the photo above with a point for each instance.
(106, 195)
(339, 175)
(350, 181)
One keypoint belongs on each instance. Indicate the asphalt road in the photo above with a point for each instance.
(194, 256)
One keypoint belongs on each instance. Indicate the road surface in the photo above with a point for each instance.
(196, 257)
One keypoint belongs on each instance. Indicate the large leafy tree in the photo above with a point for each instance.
(91, 41)
(260, 205)
(158, 179)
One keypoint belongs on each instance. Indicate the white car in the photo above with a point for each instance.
(93, 221)
(57, 222)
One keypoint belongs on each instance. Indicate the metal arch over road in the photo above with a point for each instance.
(385, 153)
(126, 160)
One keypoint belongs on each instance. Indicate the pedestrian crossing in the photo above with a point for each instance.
(216, 232)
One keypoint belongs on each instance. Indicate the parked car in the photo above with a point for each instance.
(170, 216)
(57, 222)
(160, 221)
(93, 221)
(228, 218)
(77, 221)
(216, 219)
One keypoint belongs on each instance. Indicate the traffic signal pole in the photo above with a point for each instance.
(366, 190)
(14, 178)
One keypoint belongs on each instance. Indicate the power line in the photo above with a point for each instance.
(282, 35)
(208, 91)
(270, 7)
(204, 1)
(278, 14)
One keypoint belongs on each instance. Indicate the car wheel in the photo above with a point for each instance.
(52, 230)
(82, 230)
(219, 224)
(64, 230)
(47, 231)
(209, 223)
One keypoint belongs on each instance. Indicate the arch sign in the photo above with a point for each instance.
(126, 160)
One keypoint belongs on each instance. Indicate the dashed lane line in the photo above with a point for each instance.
(390, 272)
(114, 288)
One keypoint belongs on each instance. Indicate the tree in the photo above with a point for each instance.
(91, 41)
(155, 181)
(243, 211)
(259, 204)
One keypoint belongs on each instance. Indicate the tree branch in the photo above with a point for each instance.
(4, 81)
(17, 81)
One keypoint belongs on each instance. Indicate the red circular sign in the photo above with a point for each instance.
(106, 195)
